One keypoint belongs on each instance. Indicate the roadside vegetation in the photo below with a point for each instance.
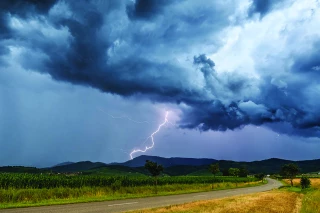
(297, 195)
(18, 190)
(311, 196)
(289, 198)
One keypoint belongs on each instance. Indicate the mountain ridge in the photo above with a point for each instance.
(184, 166)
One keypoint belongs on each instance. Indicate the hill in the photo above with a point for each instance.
(186, 166)
(20, 169)
(64, 164)
(111, 170)
(173, 166)
(167, 162)
(77, 167)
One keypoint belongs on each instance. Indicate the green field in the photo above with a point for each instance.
(17, 190)
(39, 181)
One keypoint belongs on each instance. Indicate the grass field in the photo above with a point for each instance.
(288, 199)
(35, 197)
(311, 198)
(269, 202)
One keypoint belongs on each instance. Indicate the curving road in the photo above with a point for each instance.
(141, 203)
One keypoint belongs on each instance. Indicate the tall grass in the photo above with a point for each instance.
(311, 199)
(311, 202)
(263, 202)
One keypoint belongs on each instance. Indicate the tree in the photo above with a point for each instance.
(225, 172)
(155, 170)
(259, 176)
(234, 171)
(289, 171)
(243, 172)
(214, 169)
(305, 182)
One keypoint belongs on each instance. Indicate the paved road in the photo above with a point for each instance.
(141, 203)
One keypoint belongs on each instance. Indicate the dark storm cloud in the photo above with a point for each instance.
(309, 63)
(146, 9)
(142, 48)
(262, 7)
(22, 8)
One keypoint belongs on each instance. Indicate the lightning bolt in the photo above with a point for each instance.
(151, 136)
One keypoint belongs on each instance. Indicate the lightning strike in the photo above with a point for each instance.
(151, 136)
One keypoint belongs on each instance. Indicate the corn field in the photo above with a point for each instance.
(39, 181)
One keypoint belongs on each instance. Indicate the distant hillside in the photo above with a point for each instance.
(77, 167)
(167, 162)
(117, 170)
(64, 164)
(173, 166)
(20, 169)
(185, 166)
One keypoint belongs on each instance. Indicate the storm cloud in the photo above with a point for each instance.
(223, 69)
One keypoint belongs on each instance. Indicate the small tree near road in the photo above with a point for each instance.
(259, 176)
(305, 182)
(243, 172)
(214, 169)
(155, 170)
(234, 172)
(290, 171)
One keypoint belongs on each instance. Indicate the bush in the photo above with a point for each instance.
(305, 182)
(116, 186)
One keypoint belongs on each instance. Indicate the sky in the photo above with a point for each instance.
(92, 80)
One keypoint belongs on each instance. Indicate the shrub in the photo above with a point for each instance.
(116, 186)
(305, 182)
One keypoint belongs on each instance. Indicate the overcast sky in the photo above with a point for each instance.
(91, 80)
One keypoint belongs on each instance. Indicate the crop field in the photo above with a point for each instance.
(315, 182)
(39, 181)
(18, 190)
(311, 198)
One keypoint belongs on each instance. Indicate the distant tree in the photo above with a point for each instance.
(289, 171)
(305, 182)
(234, 172)
(214, 169)
(155, 170)
(259, 176)
(225, 172)
(243, 172)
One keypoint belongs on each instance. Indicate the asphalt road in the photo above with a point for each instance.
(142, 203)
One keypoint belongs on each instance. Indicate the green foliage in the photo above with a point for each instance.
(33, 197)
(115, 186)
(154, 168)
(305, 182)
(259, 176)
(214, 168)
(243, 172)
(225, 172)
(40, 181)
(289, 171)
(234, 172)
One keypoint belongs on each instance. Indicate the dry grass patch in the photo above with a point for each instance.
(270, 202)
(315, 182)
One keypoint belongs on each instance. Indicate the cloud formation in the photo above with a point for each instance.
(226, 64)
